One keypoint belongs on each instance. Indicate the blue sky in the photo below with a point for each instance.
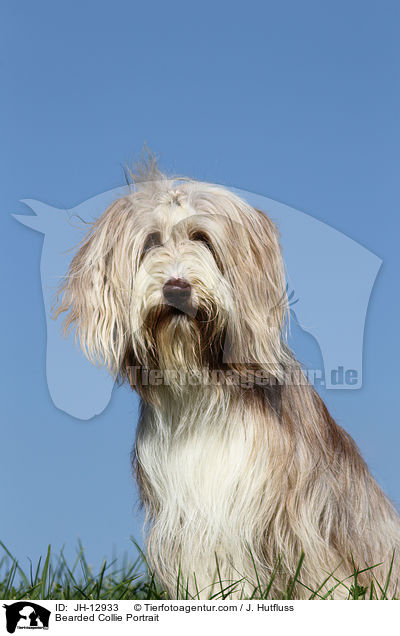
(298, 102)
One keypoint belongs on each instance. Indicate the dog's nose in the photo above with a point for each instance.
(177, 291)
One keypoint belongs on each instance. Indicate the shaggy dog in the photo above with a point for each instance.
(179, 288)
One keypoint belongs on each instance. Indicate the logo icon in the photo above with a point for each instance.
(331, 274)
(26, 615)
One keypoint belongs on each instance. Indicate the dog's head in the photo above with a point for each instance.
(178, 275)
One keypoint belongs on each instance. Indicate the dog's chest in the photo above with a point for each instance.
(198, 461)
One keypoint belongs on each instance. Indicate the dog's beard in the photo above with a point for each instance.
(175, 350)
(188, 341)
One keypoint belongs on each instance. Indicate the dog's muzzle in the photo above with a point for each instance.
(177, 292)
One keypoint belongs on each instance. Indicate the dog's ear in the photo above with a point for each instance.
(255, 331)
(98, 285)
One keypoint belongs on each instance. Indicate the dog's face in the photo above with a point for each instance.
(180, 276)
(181, 298)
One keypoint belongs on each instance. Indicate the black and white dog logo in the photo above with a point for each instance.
(26, 615)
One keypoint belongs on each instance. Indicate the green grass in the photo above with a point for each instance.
(53, 578)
